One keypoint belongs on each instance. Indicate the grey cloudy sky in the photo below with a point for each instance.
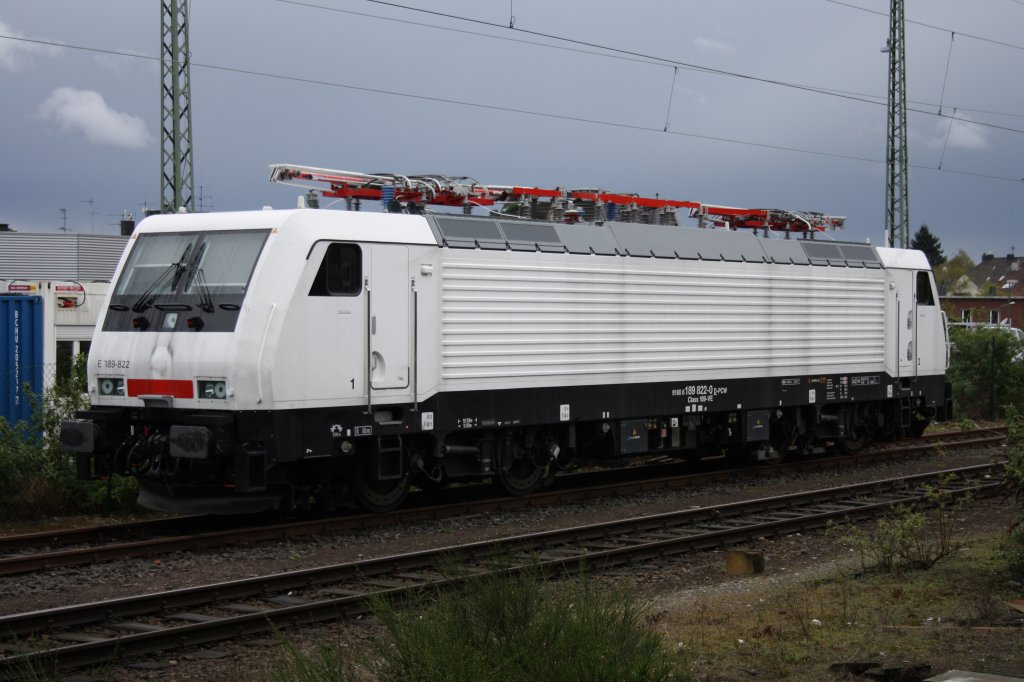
(79, 125)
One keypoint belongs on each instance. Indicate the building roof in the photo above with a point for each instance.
(55, 255)
(964, 286)
(999, 276)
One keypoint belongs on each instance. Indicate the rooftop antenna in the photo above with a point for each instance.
(64, 219)
(92, 213)
(203, 205)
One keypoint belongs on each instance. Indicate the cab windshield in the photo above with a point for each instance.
(185, 281)
(185, 263)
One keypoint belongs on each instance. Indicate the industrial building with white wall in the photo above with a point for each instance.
(52, 288)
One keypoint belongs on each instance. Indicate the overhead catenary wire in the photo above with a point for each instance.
(925, 25)
(635, 56)
(671, 92)
(610, 55)
(581, 42)
(944, 144)
(463, 31)
(945, 77)
(492, 107)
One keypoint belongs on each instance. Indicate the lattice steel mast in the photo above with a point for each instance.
(175, 109)
(897, 209)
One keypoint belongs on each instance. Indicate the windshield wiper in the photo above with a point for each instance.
(195, 274)
(205, 300)
(146, 299)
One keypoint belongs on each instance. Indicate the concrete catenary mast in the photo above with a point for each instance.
(175, 109)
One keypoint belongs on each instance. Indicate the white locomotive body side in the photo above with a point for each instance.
(259, 359)
(527, 320)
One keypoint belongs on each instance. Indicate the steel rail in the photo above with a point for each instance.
(549, 552)
(571, 487)
(61, 537)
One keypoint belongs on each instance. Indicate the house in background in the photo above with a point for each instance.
(962, 287)
(990, 293)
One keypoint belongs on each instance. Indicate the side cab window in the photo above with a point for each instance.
(340, 273)
(925, 296)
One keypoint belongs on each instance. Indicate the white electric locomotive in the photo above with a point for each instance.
(277, 358)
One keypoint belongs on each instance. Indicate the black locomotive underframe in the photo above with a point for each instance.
(466, 412)
(261, 455)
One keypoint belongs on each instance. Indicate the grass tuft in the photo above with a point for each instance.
(504, 627)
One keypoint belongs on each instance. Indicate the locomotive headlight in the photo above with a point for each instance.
(111, 386)
(212, 389)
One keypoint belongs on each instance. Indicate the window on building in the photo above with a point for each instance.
(67, 354)
(993, 317)
(65, 358)
(340, 273)
(965, 315)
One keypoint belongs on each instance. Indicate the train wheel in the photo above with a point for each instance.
(884, 425)
(522, 463)
(521, 477)
(855, 443)
(381, 496)
(856, 423)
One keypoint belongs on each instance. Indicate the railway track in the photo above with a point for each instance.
(85, 546)
(94, 633)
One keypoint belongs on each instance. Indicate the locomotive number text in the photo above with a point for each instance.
(113, 364)
(706, 391)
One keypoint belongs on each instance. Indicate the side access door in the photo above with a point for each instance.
(389, 334)
(322, 351)
(930, 327)
(903, 324)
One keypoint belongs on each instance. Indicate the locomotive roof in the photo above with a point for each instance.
(498, 234)
(645, 241)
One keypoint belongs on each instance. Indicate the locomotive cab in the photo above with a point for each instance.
(166, 376)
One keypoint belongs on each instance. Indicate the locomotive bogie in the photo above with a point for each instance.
(288, 358)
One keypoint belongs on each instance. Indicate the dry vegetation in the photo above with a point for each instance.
(955, 615)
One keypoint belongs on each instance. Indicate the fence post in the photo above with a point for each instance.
(992, 396)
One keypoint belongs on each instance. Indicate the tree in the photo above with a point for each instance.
(925, 241)
(949, 272)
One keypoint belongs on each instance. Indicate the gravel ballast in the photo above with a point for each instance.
(670, 583)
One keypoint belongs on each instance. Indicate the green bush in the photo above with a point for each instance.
(36, 477)
(503, 628)
(1013, 547)
(979, 357)
(912, 538)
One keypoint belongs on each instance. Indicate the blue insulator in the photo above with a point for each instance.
(387, 193)
(611, 210)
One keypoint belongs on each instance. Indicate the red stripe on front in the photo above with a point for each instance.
(178, 388)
